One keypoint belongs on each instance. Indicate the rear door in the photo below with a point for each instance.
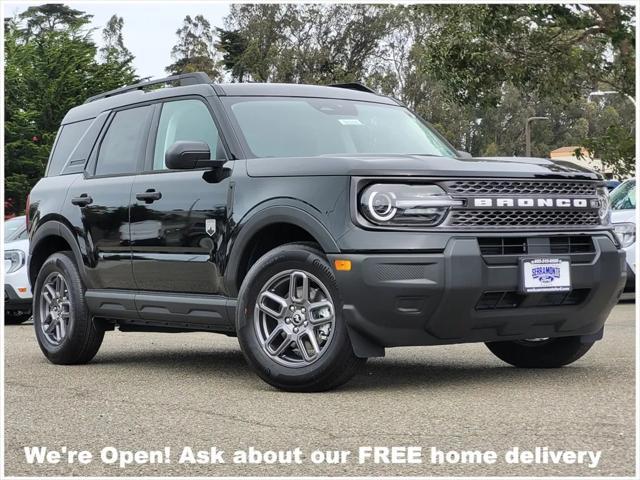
(178, 218)
(103, 196)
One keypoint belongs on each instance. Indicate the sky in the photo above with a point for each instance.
(149, 28)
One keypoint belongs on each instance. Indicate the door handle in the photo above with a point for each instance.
(82, 201)
(149, 196)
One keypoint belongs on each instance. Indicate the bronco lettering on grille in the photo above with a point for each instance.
(528, 202)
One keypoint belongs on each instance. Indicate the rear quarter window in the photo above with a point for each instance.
(68, 139)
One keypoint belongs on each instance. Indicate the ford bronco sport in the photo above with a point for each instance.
(318, 224)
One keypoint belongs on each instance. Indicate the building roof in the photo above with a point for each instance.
(568, 151)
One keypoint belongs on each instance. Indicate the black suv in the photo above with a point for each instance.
(318, 224)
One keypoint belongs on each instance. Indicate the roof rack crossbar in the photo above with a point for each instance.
(195, 78)
(354, 86)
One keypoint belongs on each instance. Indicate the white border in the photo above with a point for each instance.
(5, 5)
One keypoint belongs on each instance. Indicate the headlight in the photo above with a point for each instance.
(626, 233)
(604, 206)
(13, 260)
(405, 205)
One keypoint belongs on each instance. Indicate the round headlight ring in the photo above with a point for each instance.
(381, 205)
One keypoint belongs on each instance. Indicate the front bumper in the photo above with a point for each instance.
(14, 302)
(459, 296)
(630, 285)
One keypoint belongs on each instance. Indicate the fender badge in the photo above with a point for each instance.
(210, 226)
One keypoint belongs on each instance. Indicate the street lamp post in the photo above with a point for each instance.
(602, 93)
(527, 133)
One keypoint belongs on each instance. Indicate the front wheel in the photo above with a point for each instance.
(540, 352)
(289, 321)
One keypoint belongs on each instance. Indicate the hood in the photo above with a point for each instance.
(17, 245)
(622, 216)
(417, 165)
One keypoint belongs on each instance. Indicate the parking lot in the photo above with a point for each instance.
(150, 391)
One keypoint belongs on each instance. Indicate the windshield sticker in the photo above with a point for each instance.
(350, 121)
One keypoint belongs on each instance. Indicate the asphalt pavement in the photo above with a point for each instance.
(151, 391)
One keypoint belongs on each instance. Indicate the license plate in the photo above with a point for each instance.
(546, 275)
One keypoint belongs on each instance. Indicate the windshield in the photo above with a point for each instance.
(309, 127)
(624, 196)
(15, 229)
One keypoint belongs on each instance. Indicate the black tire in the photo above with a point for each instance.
(551, 353)
(336, 365)
(15, 318)
(83, 338)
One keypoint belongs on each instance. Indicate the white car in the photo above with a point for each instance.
(17, 291)
(623, 217)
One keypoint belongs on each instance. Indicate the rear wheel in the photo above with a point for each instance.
(289, 321)
(64, 328)
(540, 352)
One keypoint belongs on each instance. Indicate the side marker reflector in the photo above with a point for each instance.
(343, 265)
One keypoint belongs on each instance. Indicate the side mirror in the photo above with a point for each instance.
(463, 154)
(185, 155)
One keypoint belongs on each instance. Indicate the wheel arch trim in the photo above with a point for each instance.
(263, 217)
(55, 228)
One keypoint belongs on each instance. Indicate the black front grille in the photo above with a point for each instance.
(503, 245)
(520, 187)
(559, 245)
(571, 244)
(513, 299)
(522, 218)
(499, 300)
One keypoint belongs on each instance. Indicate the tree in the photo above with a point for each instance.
(114, 49)
(195, 50)
(551, 50)
(306, 43)
(51, 17)
(233, 44)
(50, 67)
(554, 55)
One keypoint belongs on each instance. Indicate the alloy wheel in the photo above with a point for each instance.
(55, 308)
(294, 318)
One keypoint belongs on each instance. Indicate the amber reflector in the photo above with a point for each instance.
(343, 265)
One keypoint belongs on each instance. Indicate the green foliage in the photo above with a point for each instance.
(195, 51)
(310, 43)
(50, 67)
(233, 44)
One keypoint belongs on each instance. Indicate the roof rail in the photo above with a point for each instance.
(195, 78)
(354, 86)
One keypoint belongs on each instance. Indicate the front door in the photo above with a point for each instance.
(178, 218)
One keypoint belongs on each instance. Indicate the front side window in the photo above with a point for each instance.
(309, 127)
(624, 197)
(68, 139)
(188, 120)
(124, 143)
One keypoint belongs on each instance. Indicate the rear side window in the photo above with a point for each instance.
(123, 145)
(185, 120)
(68, 139)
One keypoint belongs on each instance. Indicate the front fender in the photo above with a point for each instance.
(263, 216)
